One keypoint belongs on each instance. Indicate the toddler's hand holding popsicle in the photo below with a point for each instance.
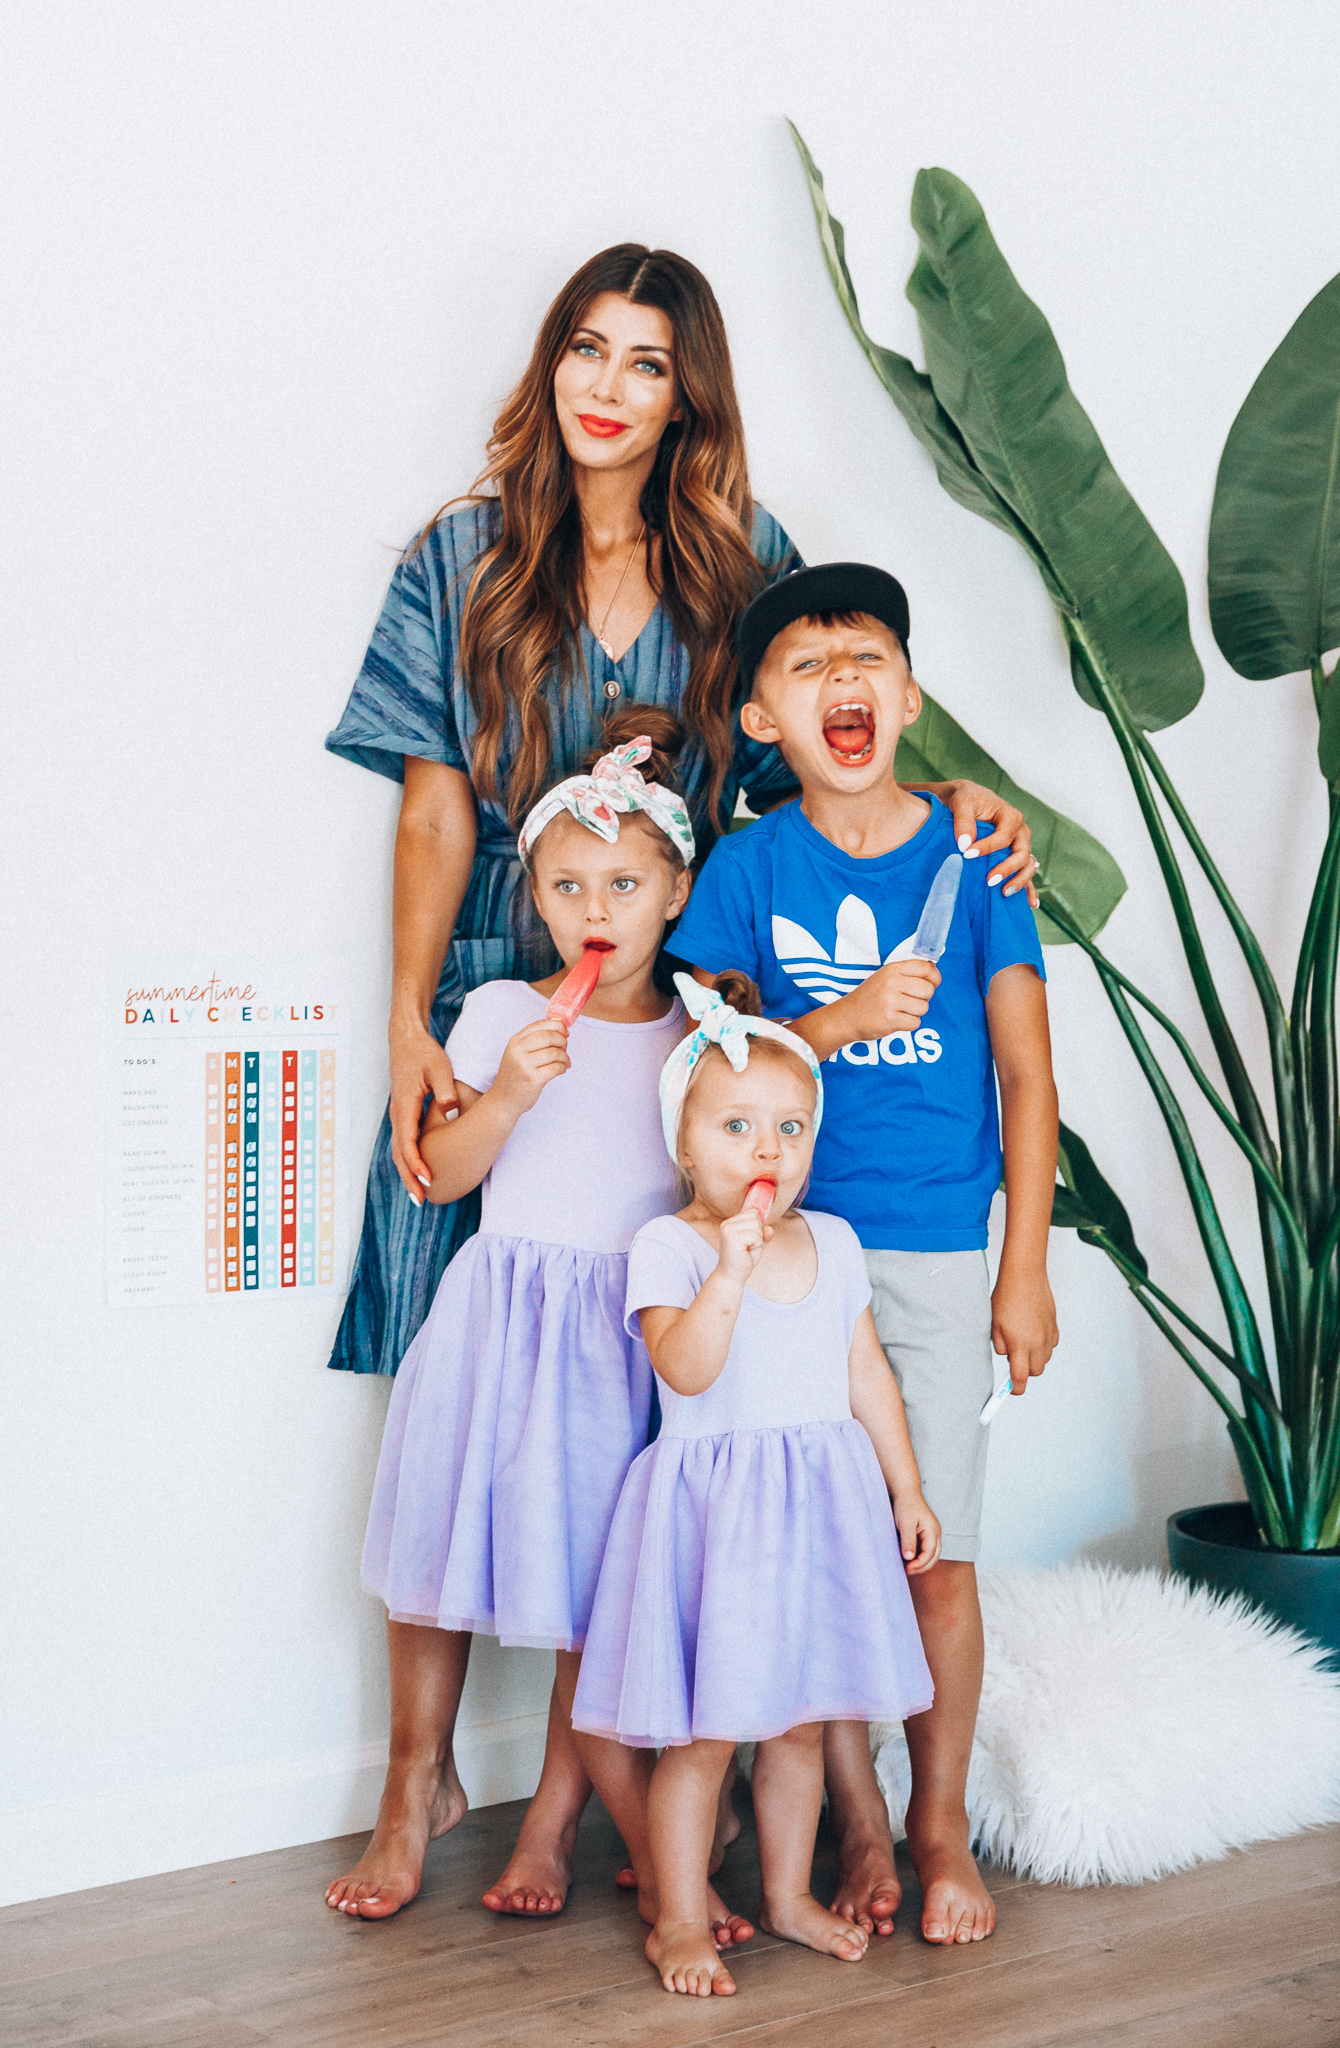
(740, 1242)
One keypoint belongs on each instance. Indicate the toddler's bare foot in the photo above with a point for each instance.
(728, 1930)
(418, 1805)
(538, 1871)
(804, 1920)
(956, 1905)
(687, 1961)
(868, 1893)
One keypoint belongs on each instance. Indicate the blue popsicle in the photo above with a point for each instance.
(938, 914)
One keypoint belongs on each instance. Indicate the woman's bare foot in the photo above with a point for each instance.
(687, 1961)
(804, 1920)
(955, 1904)
(539, 1869)
(418, 1804)
(868, 1893)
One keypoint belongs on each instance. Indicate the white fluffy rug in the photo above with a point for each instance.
(1133, 1724)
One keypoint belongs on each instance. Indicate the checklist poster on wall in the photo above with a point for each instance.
(227, 1109)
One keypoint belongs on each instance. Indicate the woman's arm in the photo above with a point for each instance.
(969, 803)
(459, 1153)
(878, 1407)
(434, 852)
(688, 1346)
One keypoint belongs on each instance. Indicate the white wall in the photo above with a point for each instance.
(275, 266)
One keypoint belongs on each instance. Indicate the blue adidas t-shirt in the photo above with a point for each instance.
(909, 1148)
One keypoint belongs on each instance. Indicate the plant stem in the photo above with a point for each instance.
(1285, 1293)
(1228, 1281)
(1267, 989)
(1266, 1178)
(1140, 1283)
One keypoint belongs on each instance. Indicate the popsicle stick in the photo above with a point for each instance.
(996, 1401)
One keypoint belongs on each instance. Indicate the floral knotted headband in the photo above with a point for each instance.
(613, 786)
(721, 1024)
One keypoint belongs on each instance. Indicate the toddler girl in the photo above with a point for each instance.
(753, 1585)
(523, 1400)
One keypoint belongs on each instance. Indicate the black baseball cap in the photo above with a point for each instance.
(829, 587)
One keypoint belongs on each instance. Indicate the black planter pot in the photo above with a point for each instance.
(1219, 1547)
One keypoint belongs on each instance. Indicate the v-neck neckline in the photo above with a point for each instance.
(617, 661)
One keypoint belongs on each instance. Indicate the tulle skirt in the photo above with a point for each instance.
(514, 1418)
(751, 1582)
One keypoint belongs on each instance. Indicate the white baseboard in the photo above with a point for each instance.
(73, 1844)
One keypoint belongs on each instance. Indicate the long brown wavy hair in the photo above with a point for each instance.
(525, 601)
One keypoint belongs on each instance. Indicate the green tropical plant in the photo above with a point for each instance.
(1011, 442)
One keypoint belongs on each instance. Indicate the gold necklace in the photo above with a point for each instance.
(600, 630)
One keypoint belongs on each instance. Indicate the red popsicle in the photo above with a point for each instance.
(577, 987)
(760, 1195)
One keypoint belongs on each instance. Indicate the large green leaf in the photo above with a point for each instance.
(1078, 874)
(1087, 1204)
(1275, 527)
(996, 370)
(912, 393)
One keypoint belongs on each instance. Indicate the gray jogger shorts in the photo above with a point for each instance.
(932, 1311)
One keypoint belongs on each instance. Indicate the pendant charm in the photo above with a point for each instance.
(608, 649)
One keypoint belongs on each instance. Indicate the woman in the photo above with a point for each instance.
(603, 558)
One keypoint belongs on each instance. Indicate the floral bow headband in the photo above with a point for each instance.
(613, 786)
(720, 1024)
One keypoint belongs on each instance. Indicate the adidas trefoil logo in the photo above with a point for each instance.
(825, 977)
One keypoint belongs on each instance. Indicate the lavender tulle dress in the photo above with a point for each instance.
(524, 1398)
(753, 1577)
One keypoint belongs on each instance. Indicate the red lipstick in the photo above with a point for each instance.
(604, 430)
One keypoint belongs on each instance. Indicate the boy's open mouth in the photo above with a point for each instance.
(849, 730)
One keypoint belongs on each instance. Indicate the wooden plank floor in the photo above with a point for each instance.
(1244, 1952)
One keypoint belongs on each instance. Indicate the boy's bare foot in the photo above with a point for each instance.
(687, 1961)
(868, 1893)
(956, 1905)
(538, 1873)
(804, 1920)
(417, 1806)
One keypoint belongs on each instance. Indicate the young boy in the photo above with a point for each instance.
(818, 902)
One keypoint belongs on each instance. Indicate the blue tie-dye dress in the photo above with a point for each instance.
(411, 698)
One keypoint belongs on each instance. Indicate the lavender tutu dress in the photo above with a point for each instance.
(524, 1398)
(753, 1577)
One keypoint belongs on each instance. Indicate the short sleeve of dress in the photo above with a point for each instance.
(661, 1272)
(401, 702)
(760, 770)
(476, 1042)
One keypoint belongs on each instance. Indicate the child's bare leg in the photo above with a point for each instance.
(539, 1869)
(956, 1905)
(788, 1792)
(681, 1813)
(621, 1775)
(724, 1833)
(422, 1797)
(868, 1892)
